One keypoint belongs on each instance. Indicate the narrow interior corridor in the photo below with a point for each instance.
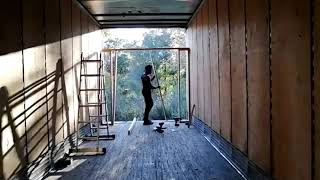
(251, 89)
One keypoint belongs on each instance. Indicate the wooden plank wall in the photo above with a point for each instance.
(214, 65)
(238, 74)
(195, 55)
(259, 54)
(258, 77)
(36, 35)
(34, 53)
(11, 75)
(291, 89)
(206, 65)
(224, 68)
(316, 90)
(200, 64)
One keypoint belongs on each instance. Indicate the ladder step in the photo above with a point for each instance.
(88, 121)
(91, 89)
(87, 151)
(101, 137)
(91, 61)
(88, 138)
(100, 127)
(95, 116)
(92, 104)
(91, 75)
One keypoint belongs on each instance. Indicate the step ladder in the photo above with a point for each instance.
(95, 111)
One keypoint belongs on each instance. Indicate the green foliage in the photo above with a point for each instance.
(131, 65)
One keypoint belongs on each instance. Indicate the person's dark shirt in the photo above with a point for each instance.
(146, 84)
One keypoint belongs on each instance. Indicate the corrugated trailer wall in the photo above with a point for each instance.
(34, 35)
(260, 80)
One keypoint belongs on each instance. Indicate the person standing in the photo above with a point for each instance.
(146, 79)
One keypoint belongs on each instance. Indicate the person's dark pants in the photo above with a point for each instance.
(148, 105)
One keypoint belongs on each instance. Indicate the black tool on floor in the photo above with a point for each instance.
(177, 120)
(160, 128)
(62, 163)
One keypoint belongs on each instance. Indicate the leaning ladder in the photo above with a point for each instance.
(95, 111)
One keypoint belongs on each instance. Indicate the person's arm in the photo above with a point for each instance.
(150, 85)
(151, 79)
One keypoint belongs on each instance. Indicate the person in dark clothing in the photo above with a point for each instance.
(146, 79)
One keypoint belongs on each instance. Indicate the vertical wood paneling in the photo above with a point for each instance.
(10, 31)
(316, 80)
(194, 67)
(66, 44)
(192, 82)
(206, 64)
(244, 97)
(52, 27)
(11, 76)
(84, 35)
(34, 53)
(238, 74)
(224, 66)
(195, 42)
(24, 63)
(53, 51)
(66, 33)
(76, 53)
(200, 65)
(258, 83)
(291, 89)
(214, 65)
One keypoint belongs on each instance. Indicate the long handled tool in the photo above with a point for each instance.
(155, 73)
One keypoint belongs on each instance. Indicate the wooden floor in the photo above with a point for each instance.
(178, 153)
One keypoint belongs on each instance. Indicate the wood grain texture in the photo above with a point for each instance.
(238, 74)
(224, 65)
(66, 47)
(214, 66)
(53, 54)
(84, 35)
(195, 42)
(316, 81)
(192, 71)
(52, 27)
(258, 83)
(10, 31)
(206, 65)
(194, 67)
(66, 34)
(76, 56)
(179, 153)
(11, 76)
(200, 62)
(11, 46)
(189, 44)
(291, 89)
(39, 28)
(34, 54)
